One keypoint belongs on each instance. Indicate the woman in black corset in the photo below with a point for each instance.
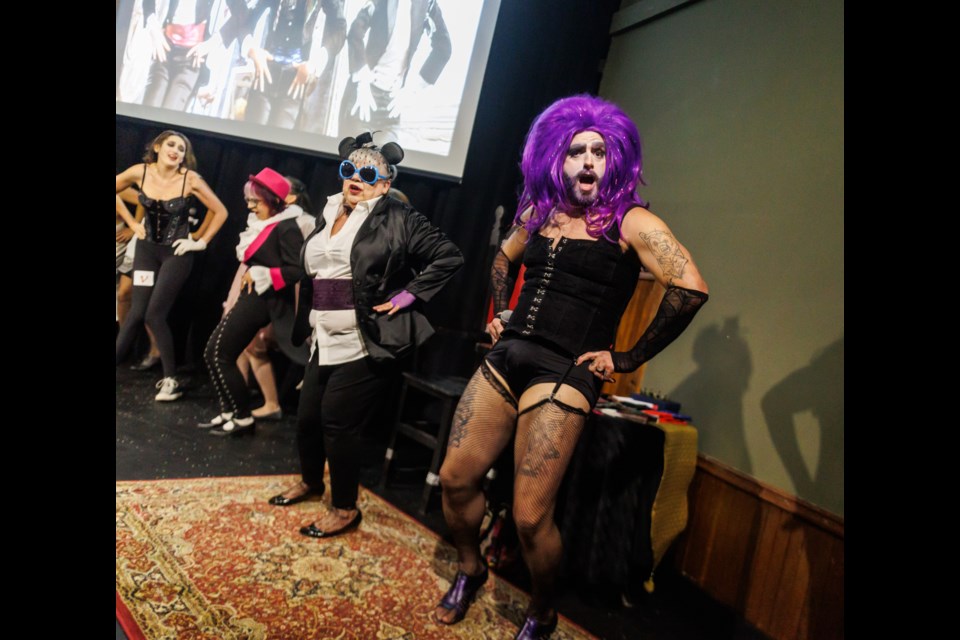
(167, 180)
(584, 235)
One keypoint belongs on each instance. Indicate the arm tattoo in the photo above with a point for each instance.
(666, 250)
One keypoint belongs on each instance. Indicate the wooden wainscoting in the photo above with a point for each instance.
(772, 557)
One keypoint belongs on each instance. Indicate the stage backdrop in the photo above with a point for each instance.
(532, 63)
(301, 74)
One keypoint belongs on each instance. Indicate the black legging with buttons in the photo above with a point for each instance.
(228, 340)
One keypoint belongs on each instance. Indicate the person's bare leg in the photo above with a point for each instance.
(154, 349)
(243, 364)
(124, 297)
(263, 371)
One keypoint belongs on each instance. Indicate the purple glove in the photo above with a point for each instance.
(403, 299)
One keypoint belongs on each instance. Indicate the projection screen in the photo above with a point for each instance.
(303, 74)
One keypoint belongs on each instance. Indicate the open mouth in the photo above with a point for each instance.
(356, 189)
(586, 181)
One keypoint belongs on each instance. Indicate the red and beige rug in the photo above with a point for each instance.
(209, 559)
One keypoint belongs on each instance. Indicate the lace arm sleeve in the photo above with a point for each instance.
(675, 312)
(503, 277)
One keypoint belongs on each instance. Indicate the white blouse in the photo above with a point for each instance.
(336, 336)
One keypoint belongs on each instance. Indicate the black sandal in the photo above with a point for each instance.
(462, 593)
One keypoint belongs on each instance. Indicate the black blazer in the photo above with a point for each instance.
(396, 248)
(280, 252)
(425, 18)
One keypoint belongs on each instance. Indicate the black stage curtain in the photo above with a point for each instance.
(541, 51)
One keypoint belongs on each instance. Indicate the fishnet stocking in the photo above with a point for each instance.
(547, 435)
(482, 426)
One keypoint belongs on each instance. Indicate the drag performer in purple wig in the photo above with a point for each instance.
(584, 236)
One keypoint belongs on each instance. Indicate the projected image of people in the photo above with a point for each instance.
(304, 73)
(292, 44)
(381, 43)
(178, 44)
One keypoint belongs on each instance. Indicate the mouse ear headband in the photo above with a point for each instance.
(392, 152)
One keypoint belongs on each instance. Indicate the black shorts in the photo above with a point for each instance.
(524, 363)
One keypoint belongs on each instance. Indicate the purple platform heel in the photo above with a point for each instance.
(462, 593)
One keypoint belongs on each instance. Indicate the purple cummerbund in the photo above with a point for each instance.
(332, 294)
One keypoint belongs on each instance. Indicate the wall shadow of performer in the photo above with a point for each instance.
(713, 394)
(817, 388)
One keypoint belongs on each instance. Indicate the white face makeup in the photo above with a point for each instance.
(171, 151)
(584, 166)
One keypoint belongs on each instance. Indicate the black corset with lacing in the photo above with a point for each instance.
(574, 293)
(166, 220)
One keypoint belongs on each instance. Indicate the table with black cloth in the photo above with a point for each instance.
(624, 500)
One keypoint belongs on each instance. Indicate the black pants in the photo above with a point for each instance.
(272, 106)
(380, 120)
(337, 403)
(226, 343)
(316, 108)
(152, 303)
(171, 83)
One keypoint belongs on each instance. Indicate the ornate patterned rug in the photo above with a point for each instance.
(209, 559)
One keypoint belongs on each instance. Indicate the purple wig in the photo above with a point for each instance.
(545, 151)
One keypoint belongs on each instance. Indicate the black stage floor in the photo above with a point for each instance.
(159, 440)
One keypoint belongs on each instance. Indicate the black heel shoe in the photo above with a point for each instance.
(533, 628)
(462, 593)
(148, 362)
(280, 500)
(311, 530)
(276, 416)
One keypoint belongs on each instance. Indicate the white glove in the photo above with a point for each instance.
(408, 96)
(261, 278)
(200, 51)
(158, 41)
(365, 103)
(183, 245)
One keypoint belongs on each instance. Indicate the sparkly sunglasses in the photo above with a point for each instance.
(369, 174)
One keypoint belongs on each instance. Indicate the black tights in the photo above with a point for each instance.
(152, 303)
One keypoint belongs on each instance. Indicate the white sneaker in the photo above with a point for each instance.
(169, 390)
